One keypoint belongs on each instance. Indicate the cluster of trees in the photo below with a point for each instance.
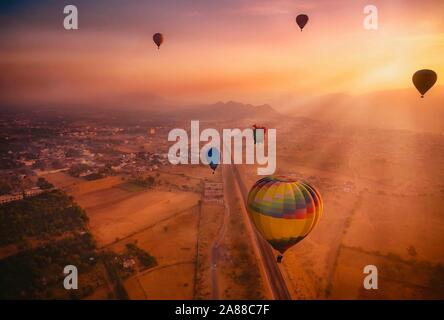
(148, 182)
(93, 176)
(113, 273)
(107, 169)
(30, 273)
(80, 168)
(6, 186)
(14, 183)
(72, 153)
(39, 164)
(9, 163)
(43, 184)
(145, 259)
(77, 169)
(51, 213)
(116, 271)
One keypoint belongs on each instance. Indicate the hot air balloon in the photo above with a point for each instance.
(424, 80)
(158, 39)
(284, 210)
(302, 20)
(213, 158)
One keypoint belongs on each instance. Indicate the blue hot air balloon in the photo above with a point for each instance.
(213, 158)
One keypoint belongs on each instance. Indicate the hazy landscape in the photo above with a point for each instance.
(86, 180)
(382, 189)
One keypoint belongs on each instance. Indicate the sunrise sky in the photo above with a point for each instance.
(246, 50)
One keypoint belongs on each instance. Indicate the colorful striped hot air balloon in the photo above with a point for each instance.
(284, 210)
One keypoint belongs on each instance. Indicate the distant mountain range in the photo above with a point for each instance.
(394, 109)
(221, 111)
(230, 110)
(156, 107)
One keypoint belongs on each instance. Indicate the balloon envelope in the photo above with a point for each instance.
(424, 80)
(213, 166)
(158, 39)
(213, 158)
(284, 210)
(302, 20)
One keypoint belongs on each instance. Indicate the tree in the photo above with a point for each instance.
(43, 184)
(5, 187)
(412, 251)
(150, 181)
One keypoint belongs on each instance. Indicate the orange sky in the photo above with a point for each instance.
(246, 50)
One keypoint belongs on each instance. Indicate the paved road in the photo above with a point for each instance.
(277, 282)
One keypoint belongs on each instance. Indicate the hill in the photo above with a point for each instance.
(157, 109)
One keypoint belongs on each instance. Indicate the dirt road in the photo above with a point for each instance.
(216, 246)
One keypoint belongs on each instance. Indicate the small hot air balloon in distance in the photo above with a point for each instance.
(302, 20)
(424, 80)
(158, 39)
(213, 158)
(284, 210)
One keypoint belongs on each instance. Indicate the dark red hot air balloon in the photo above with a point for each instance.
(158, 39)
(424, 80)
(302, 20)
